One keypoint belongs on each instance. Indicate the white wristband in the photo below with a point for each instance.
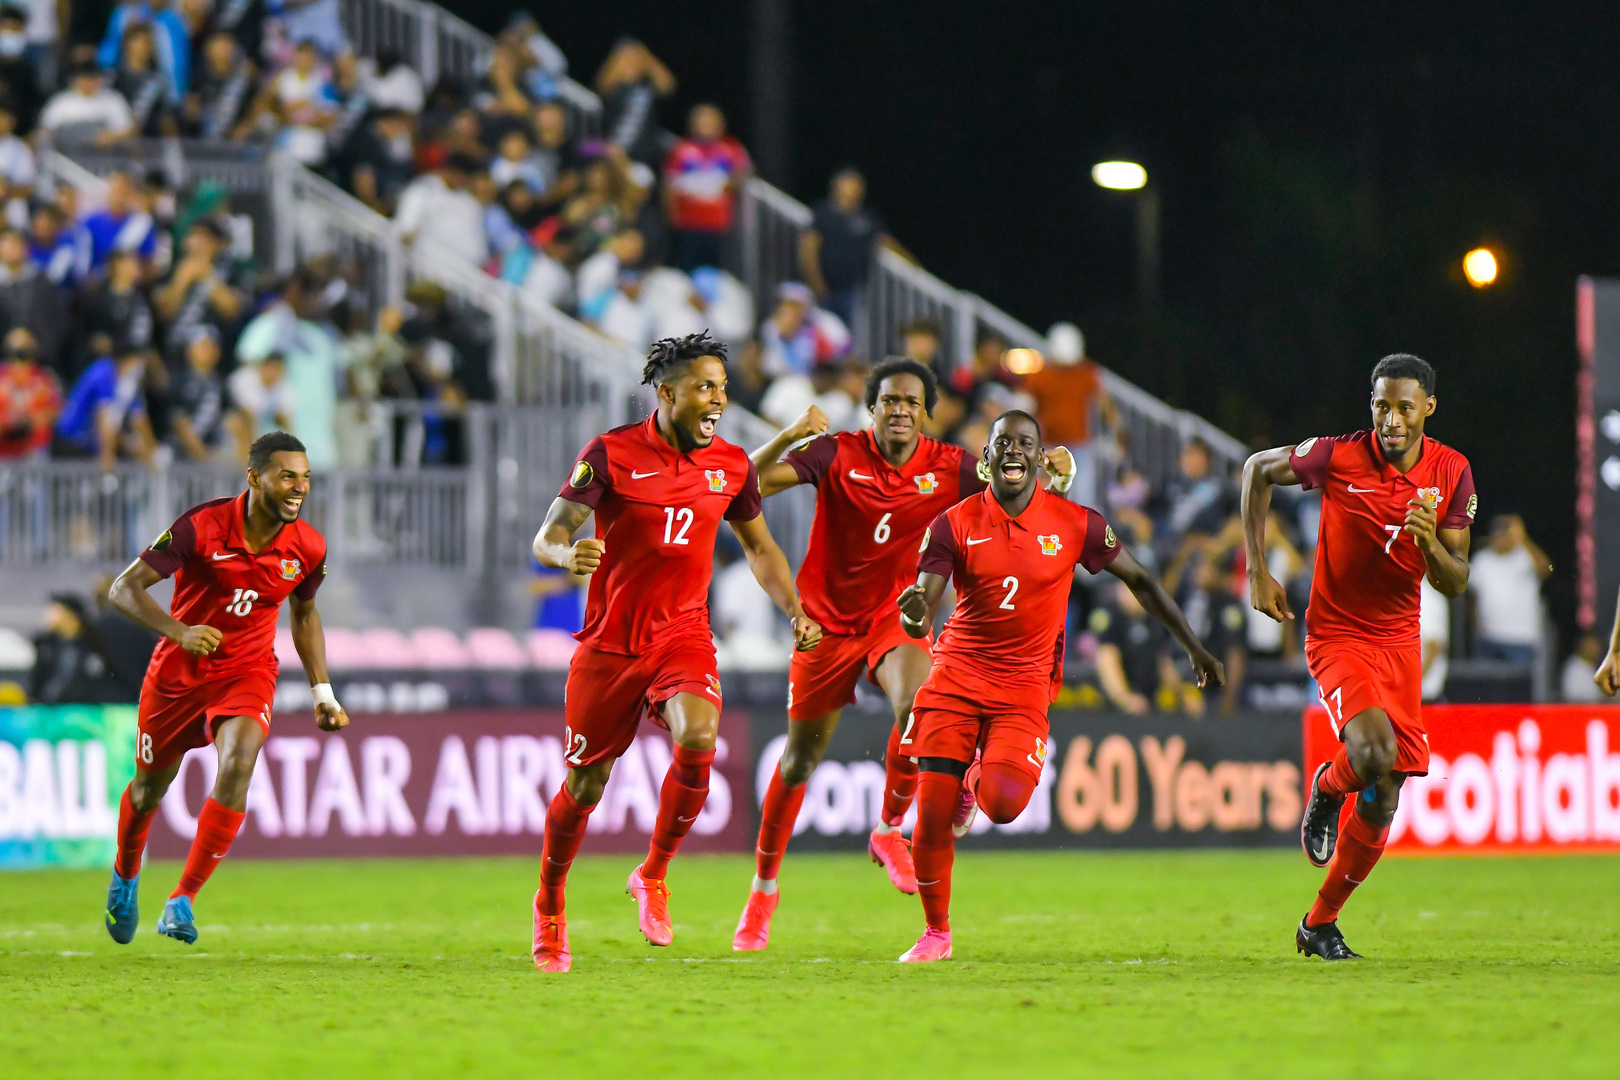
(322, 693)
(1062, 482)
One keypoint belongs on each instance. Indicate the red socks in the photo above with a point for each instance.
(1004, 791)
(686, 786)
(217, 826)
(565, 828)
(1340, 779)
(933, 848)
(900, 783)
(133, 825)
(776, 819)
(1360, 844)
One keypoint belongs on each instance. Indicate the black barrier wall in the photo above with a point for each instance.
(1111, 781)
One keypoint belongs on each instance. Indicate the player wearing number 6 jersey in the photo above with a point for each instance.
(876, 492)
(213, 677)
(659, 490)
(1012, 551)
(1396, 506)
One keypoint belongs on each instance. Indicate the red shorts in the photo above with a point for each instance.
(174, 719)
(1352, 677)
(956, 713)
(823, 680)
(608, 693)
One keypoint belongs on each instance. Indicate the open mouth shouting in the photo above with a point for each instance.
(707, 424)
(1013, 470)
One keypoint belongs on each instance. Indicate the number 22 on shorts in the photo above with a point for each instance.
(573, 747)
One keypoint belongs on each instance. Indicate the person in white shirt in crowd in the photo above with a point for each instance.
(1505, 577)
(301, 100)
(262, 401)
(1434, 633)
(390, 83)
(87, 110)
(17, 170)
(799, 334)
(47, 25)
(745, 622)
(836, 387)
(438, 209)
(295, 329)
(1575, 682)
(516, 160)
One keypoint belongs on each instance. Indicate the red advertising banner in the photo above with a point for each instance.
(449, 783)
(1504, 778)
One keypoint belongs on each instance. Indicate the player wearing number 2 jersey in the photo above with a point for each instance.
(659, 490)
(213, 676)
(1012, 551)
(876, 492)
(1396, 506)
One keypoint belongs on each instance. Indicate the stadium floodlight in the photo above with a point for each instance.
(1023, 361)
(1479, 266)
(1119, 175)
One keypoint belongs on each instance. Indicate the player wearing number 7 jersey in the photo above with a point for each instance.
(212, 678)
(876, 492)
(1396, 506)
(660, 490)
(1012, 551)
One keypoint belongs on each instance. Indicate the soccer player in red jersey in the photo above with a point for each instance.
(1012, 551)
(213, 676)
(659, 490)
(876, 492)
(1396, 506)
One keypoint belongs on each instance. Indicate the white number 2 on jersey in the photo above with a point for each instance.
(671, 516)
(1009, 583)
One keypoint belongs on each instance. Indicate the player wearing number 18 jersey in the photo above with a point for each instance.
(1012, 551)
(1396, 506)
(212, 678)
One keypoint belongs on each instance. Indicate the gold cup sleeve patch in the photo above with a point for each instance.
(582, 474)
(162, 543)
(1109, 539)
(1473, 505)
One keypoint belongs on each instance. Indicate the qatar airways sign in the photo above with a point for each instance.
(1505, 778)
(454, 783)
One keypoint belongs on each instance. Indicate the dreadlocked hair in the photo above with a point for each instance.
(671, 356)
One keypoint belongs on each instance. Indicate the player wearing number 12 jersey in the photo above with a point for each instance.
(1396, 506)
(876, 492)
(212, 678)
(1012, 551)
(659, 490)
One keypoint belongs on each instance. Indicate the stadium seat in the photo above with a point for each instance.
(492, 647)
(346, 650)
(440, 648)
(391, 649)
(551, 648)
(287, 653)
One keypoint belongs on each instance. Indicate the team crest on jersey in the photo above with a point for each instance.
(582, 474)
(717, 479)
(290, 569)
(1049, 544)
(1429, 497)
(926, 483)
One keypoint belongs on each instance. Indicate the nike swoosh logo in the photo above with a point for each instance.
(227, 555)
(1360, 491)
(642, 475)
(986, 540)
(692, 818)
(853, 475)
(710, 690)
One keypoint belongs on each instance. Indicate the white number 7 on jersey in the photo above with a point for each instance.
(1394, 535)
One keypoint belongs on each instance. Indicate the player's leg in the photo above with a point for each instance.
(237, 740)
(901, 673)
(136, 809)
(694, 724)
(1367, 754)
(1361, 844)
(933, 846)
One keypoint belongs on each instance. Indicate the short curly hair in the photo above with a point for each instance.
(669, 357)
(1405, 366)
(903, 365)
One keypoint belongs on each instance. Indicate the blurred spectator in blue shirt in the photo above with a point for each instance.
(106, 411)
(122, 225)
(170, 38)
(60, 248)
(559, 598)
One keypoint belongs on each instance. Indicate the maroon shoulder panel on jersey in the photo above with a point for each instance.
(938, 555)
(745, 505)
(812, 460)
(968, 482)
(169, 552)
(315, 547)
(590, 479)
(1310, 460)
(1464, 503)
(1101, 546)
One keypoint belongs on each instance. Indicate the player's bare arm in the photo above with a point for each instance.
(1608, 673)
(1261, 473)
(1158, 603)
(919, 602)
(554, 545)
(771, 570)
(129, 595)
(1445, 551)
(309, 638)
(774, 473)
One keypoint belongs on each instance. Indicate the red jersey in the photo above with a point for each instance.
(869, 517)
(699, 176)
(218, 582)
(1368, 569)
(657, 511)
(1012, 579)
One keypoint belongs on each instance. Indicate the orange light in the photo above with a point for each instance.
(1023, 361)
(1479, 266)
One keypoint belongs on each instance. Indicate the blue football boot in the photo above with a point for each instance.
(123, 911)
(177, 921)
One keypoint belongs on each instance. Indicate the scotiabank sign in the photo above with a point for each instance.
(453, 783)
(1505, 778)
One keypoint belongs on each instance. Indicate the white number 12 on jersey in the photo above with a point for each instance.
(672, 516)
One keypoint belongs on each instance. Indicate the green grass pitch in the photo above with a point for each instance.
(1178, 964)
